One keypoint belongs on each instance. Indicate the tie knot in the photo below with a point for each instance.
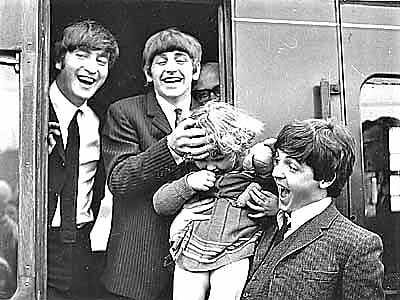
(178, 114)
(283, 219)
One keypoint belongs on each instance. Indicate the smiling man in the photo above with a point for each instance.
(75, 171)
(317, 253)
(144, 147)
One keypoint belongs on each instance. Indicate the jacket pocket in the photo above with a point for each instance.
(318, 275)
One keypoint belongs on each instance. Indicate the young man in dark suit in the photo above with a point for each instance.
(75, 172)
(314, 252)
(143, 148)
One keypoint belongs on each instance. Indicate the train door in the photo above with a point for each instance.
(21, 153)
(371, 62)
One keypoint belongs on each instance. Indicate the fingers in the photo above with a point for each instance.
(54, 128)
(257, 215)
(269, 142)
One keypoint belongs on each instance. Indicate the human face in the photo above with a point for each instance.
(207, 87)
(219, 164)
(172, 75)
(295, 181)
(82, 74)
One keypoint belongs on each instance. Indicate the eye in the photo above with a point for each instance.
(160, 61)
(293, 167)
(181, 59)
(81, 54)
(102, 61)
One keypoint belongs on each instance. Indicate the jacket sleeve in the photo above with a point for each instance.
(170, 197)
(363, 273)
(130, 170)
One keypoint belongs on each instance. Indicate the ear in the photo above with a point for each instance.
(149, 78)
(58, 65)
(323, 184)
(196, 71)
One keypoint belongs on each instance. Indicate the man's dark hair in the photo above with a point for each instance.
(171, 39)
(87, 35)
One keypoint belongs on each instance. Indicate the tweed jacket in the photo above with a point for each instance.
(329, 257)
(57, 175)
(138, 162)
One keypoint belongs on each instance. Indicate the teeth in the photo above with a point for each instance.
(283, 192)
(172, 80)
(86, 80)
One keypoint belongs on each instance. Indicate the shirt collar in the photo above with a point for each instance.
(306, 213)
(169, 109)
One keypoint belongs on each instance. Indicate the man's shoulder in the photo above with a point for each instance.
(136, 100)
(350, 232)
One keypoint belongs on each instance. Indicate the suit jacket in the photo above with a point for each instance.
(57, 175)
(329, 257)
(138, 162)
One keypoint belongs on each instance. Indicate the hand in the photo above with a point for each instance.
(202, 180)
(190, 212)
(264, 203)
(188, 141)
(260, 157)
(54, 130)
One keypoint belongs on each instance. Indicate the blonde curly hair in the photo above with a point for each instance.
(230, 130)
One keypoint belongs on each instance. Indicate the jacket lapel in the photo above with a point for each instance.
(308, 232)
(263, 247)
(59, 142)
(155, 112)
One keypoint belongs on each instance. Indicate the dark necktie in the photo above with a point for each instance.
(285, 216)
(178, 116)
(70, 189)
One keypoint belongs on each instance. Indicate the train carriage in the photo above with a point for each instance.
(280, 60)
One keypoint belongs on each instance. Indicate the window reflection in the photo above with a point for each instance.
(380, 117)
(9, 132)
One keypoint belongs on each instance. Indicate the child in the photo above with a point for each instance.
(214, 254)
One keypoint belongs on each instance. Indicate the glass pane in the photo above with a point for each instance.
(9, 144)
(380, 117)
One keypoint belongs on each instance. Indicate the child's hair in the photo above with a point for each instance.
(87, 35)
(228, 128)
(171, 39)
(327, 147)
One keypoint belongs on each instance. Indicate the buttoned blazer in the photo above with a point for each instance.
(57, 175)
(138, 162)
(329, 257)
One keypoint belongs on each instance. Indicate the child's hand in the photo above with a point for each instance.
(259, 158)
(202, 180)
(264, 203)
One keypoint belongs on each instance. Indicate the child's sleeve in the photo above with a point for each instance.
(170, 197)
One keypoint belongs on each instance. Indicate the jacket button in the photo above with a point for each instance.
(63, 164)
(245, 295)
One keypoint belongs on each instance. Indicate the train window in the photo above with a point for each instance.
(380, 123)
(9, 145)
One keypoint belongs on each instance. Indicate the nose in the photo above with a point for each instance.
(277, 171)
(171, 66)
(91, 65)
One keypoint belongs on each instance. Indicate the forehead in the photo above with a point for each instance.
(172, 54)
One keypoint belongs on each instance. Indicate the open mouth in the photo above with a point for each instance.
(172, 79)
(283, 191)
(86, 80)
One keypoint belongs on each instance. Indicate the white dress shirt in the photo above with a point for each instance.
(306, 213)
(89, 151)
